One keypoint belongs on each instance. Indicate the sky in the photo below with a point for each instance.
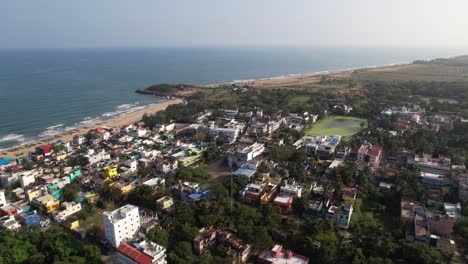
(127, 23)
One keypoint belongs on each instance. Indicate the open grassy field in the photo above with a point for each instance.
(344, 126)
(414, 72)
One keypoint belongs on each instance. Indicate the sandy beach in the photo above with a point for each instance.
(298, 79)
(127, 119)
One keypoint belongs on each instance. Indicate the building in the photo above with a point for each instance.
(291, 190)
(440, 223)
(45, 150)
(370, 154)
(121, 224)
(210, 236)
(322, 145)
(110, 172)
(284, 202)
(68, 208)
(463, 189)
(2, 198)
(277, 255)
(432, 179)
(27, 179)
(343, 215)
(167, 166)
(144, 252)
(205, 239)
(9, 222)
(165, 202)
(30, 218)
(78, 140)
(251, 152)
(440, 121)
(47, 202)
(229, 134)
(427, 226)
(245, 172)
(428, 164)
(154, 182)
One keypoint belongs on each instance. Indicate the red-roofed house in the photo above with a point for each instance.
(141, 253)
(370, 154)
(284, 202)
(44, 150)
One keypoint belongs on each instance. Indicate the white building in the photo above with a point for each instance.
(252, 151)
(225, 132)
(79, 140)
(343, 215)
(2, 198)
(121, 224)
(431, 165)
(273, 126)
(291, 190)
(132, 165)
(9, 222)
(63, 181)
(68, 208)
(322, 144)
(27, 179)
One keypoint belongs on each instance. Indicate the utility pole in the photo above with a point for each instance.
(231, 192)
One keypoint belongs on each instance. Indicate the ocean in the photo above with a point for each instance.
(47, 91)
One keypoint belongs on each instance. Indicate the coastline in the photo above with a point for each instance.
(126, 119)
(304, 78)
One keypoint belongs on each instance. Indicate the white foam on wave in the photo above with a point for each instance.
(53, 127)
(60, 129)
(124, 109)
(13, 137)
(90, 121)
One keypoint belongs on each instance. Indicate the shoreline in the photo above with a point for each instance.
(302, 78)
(126, 119)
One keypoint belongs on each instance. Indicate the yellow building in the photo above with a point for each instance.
(165, 202)
(91, 197)
(31, 194)
(110, 172)
(73, 225)
(60, 156)
(126, 188)
(47, 202)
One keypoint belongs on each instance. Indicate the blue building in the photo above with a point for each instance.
(432, 179)
(29, 219)
(5, 161)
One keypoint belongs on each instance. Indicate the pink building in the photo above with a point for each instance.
(440, 224)
(284, 202)
(277, 255)
(370, 154)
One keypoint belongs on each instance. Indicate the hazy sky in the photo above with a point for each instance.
(95, 23)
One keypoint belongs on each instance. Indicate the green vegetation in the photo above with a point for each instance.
(54, 245)
(298, 100)
(166, 89)
(344, 126)
(414, 72)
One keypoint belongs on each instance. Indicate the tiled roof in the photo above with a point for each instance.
(134, 254)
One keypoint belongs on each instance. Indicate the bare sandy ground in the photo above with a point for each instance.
(68, 136)
(298, 79)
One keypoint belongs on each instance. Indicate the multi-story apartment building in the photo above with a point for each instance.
(121, 224)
